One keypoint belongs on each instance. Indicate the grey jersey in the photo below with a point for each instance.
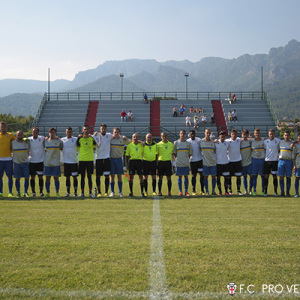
(258, 149)
(52, 157)
(246, 153)
(117, 147)
(183, 151)
(296, 154)
(20, 151)
(208, 150)
(286, 152)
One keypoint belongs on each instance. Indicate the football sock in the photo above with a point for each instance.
(56, 183)
(213, 183)
(131, 186)
(179, 180)
(89, 176)
(18, 186)
(106, 184)
(281, 182)
(146, 185)
(159, 185)
(68, 183)
(26, 185)
(47, 185)
(169, 185)
(41, 184)
(32, 185)
(10, 184)
(186, 184)
(120, 185)
(288, 185)
(297, 186)
(205, 181)
(75, 182)
(112, 187)
(245, 183)
(154, 185)
(98, 184)
(1, 185)
(275, 183)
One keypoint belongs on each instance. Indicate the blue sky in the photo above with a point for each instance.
(72, 36)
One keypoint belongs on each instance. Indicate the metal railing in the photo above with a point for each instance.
(39, 112)
(139, 96)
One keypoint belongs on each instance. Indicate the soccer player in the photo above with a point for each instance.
(52, 161)
(70, 160)
(258, 159)
(246, 153)
(20, 149)
(36, 160)
(86, 143)
(296, 161)
(235, 159)
(222, 162)
(164, 166)
(116, 161)
(150, 163)
(6, 163)
(208, 149)
(182, 152)
(134, 162)
(285, 163)
(196, 161)
(271, 161)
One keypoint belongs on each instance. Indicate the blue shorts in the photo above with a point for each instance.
(52, 171)
(209, 170)
(285, 168)
(247, 170)
(182, 171)
(7, 166)
(258, 166)
(116, 166)
(21, 170)
(297, 172)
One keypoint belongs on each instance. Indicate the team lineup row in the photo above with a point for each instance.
(39, 156)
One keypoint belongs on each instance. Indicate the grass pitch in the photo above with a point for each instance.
(89, 248)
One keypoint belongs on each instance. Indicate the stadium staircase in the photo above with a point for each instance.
(219, 115)
(92, 114)
(109, 113)
(155, 118)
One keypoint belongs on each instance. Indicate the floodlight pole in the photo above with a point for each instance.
(262, 83)
(48, 84)
(121, 75)
(186, 84)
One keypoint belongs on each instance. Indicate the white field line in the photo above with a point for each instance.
(44, 293)
(158, 281)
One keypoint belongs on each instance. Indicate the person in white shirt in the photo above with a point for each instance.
(222, 162)
(235, 159)
(188, 121)
(271, 161)
(36, 160)
(204, 119)
(70, 160)
(196, 162)
(130, 116)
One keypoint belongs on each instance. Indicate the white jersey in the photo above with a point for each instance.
(196, 151)
(70, 150)
(272, 149)
(222, 152)
(234, 150)
(103, 151)
(37, 149)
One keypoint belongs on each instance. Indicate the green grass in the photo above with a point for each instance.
(105, 244)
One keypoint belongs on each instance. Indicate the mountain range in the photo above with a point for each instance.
(281, 78)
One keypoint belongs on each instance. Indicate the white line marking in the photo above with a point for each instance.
(158, 281)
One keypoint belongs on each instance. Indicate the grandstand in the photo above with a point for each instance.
(61, 110)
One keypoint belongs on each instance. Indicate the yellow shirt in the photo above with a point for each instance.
(135, 151)
(5, 145)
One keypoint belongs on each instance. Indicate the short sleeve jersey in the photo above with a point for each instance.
(221, 152)
(117, 147)
(234, 151)
(52, 157)
(258, 149)
(37, 149)
(20, 151)
(246, 153)
(196, 152)
(135, 151)
(103, 151)
(150, 152)
(5, 145)
(183, 151)
(208, 149)
(286, 152)
(86, 148)
(296, 154)
(272, 149)
(165, 151)
(70, 150)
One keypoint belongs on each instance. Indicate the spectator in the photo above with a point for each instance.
(188, 121)
(234, 116)
(123, 116)
(233, 97)
(175, 111)
(196, 122)
(212, 136)
(229, 116)
(197, 110)
(130, 116)
(201, 111)
(192, 110)
(145, 99)
(182, 110)
(204, 119)
(212, 119)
